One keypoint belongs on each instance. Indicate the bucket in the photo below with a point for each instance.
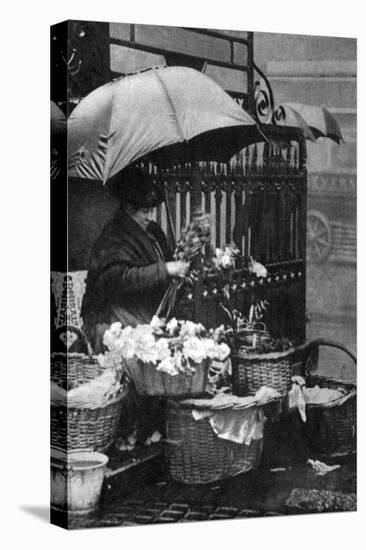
(76, 480)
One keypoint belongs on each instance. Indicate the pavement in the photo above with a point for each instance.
(261, 492)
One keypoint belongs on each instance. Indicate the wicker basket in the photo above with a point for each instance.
(86, 427)
(330, 427)
(73, 369)
(252, 371)
(195, 455)
(149, 381)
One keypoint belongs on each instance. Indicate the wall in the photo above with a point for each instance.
(322, 70)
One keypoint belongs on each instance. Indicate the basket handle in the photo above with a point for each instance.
(311, 351)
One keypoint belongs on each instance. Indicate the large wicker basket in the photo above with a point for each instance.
(90, 427)
(149, 381)
(330, 427)
(196, 455)
(252, 371)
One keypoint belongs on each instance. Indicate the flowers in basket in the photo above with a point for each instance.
(250, 333)
(174, 347)
(245, 330)
(167, 358)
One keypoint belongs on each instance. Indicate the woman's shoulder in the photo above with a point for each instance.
(155, 230)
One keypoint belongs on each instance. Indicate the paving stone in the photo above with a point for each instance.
(180, 507)
(228, 510)
(219, 516)
(143, 518)
(195, 516)
(172, 514)
(208, 508)
(153, 509)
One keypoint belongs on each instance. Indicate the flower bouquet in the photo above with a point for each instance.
(190, 248)
(167, 359)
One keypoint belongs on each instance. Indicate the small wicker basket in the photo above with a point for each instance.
(149, 381)
(330, 427)
(196, 455)
(252, 371)
(88, 427)
(73, 369)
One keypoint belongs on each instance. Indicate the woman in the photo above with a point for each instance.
(129, 266)
(127, 278)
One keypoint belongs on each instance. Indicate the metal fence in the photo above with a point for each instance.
(258, 202)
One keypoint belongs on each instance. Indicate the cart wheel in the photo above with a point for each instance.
(318, 237)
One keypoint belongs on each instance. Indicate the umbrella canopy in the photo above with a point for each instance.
(320, 121)
(285, 115)
(175, 109)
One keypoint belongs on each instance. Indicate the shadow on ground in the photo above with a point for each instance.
(40, 512)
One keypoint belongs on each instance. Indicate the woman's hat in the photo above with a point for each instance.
(136, 188)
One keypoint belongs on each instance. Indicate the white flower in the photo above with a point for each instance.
(112, 335)
(258, 269)
(168, 366)
(110, 359)
(190, 329)
(172, 326)
(227, 260)
(216, 351)
(194, 349)
(223, 351)
(156, 323)
(162, 348)
(126, 343)
(146, 349)
(156, 436)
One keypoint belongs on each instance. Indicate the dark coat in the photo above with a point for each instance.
(127, 277)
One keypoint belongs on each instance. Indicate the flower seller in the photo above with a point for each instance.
(129, 272)
(129, 267)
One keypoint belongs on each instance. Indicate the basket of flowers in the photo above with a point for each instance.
(257, 359)
(86, 399)
(215, 438)
(167, 359)
(326, 407)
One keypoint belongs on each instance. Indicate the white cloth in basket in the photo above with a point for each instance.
(240, 419)
(91, 393)
(300, 395)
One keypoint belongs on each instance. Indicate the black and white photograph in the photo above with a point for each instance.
(203, 274)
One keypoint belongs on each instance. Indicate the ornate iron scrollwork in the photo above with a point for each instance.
(279, 114)
(263, 98)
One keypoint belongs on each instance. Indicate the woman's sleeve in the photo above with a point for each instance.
(121, 278)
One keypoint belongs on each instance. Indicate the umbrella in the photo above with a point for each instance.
(174, 112)
(285, 115)
(320, 121)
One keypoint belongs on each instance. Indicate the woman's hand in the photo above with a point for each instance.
(177, 269)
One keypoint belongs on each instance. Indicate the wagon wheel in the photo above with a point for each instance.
(318, 236)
